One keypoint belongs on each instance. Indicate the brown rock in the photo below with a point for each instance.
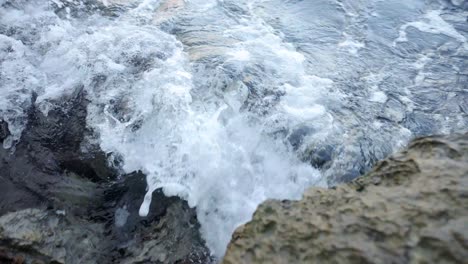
(411, 208)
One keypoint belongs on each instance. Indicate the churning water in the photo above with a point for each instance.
(227, 103)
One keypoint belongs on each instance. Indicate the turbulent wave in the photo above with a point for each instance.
(229, 103)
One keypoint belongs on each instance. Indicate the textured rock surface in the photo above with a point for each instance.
(411, 208)
(169, 235)
(49, 237)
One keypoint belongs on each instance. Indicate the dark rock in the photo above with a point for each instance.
(60, 135)
(169, 234)
(59, 204)
(39, 236)
(297, 136)
(114, 233)
(4, 131)
(319, 157)
(411, 208)
(47, 166)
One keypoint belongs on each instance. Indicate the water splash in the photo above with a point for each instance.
(228, 103)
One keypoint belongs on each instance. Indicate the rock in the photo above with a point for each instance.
(60, 135)
(411, 208)
(296, 137)
(167, 240)
(169, 234)
(62, 204)
(4, 131)
(47, 166)
(38, 236)
(319, 157)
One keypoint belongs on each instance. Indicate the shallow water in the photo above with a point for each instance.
(228, 103)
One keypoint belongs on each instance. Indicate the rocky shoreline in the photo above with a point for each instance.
(62, 203)
(276, 95)
(411, 208)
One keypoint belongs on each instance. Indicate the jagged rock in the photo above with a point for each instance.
(411, 208)
(38, 236)
(173, 239)
(61, 204)
(169, 234)
(113, 234)
(47, 167)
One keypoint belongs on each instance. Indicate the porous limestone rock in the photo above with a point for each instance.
(411, 208)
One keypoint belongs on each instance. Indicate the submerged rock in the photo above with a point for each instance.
(411, 208)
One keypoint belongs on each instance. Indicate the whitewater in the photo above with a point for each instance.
(227, 103)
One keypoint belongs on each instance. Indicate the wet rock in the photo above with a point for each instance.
(319, 156)
(169, 234)
(296, 137)
(4, 131)
(113, 234)
(39, 236)
(411, 208)
(60, 134)
(47, 167)
(60, 200)
(172, 239)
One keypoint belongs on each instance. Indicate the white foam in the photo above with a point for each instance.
(351, 45)
(20, 78)
(302, 103)
(220, 159)
(240, 55)
(121, 216)
(419, 66)
(378, 97)
(433, 23)
(216, 158)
